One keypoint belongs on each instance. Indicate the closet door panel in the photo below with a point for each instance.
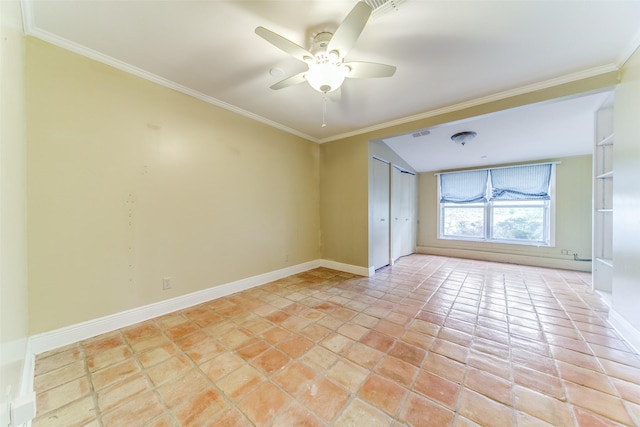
(397, 213)
(380, 229)
(408, 202)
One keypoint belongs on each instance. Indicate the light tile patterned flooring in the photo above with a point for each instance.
(431, 341)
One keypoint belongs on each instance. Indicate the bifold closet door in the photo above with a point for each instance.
(410, 221)
(397, 213)
(380, 214)
(402, 213)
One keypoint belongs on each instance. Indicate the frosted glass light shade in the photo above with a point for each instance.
(326, 77)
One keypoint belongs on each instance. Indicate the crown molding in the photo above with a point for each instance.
(624, 56)
(522, 90)
(30, 30)
(138, 72)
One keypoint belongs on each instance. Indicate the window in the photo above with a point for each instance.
(506, 205)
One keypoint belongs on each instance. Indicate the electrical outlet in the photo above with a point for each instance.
(566, 252)
(166, 283)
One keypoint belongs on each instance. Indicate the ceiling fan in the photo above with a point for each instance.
(327, 69)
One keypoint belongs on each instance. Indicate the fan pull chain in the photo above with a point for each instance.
(324, 110)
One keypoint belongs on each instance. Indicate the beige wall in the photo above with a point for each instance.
(344, 164)
(382, 151)
(344, 189)
(626, 196)
(573, 222)
(13, 251)
(344, 196)
(130, 182)
(343, 201)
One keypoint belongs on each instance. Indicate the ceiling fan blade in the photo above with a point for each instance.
(335, 95)
(349, 30)
(284, 44)
(365, 70)
(290, 81)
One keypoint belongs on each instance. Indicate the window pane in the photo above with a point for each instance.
(519, 223)
(463, 222)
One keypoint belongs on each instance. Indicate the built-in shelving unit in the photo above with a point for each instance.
(603, 199)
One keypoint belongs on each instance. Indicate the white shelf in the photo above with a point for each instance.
(603, 167)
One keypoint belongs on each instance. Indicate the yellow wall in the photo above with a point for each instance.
(626, 196)
(130, 182)
(573, 222)
(13, 238)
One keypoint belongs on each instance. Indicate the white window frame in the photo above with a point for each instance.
(549, 217)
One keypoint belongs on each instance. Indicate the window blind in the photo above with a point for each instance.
(521, 182)
(464, 187)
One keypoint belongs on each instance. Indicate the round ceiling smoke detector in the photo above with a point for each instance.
(463, 137)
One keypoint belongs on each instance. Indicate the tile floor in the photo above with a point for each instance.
(432, 341)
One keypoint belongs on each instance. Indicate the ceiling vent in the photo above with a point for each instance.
(420, 133)
(382, 7)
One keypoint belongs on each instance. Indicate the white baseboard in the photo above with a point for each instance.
(28, 370)
(18, 357)
(565, 264)
(630, 334)
(59, 338)
(347, 268)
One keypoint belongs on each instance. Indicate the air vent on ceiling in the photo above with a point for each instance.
(382, 7)
(420, 133)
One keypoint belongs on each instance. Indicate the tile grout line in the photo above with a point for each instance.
(593, 353)
(398, 290)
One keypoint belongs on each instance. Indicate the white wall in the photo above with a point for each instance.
(13, 264)
(626, 199)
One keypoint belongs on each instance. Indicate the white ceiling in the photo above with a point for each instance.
(446, 52)
(540, 131)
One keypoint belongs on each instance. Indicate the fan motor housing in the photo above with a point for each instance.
(320, 42)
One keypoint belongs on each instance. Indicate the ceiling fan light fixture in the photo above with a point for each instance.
(326, 77)
(463, 137)
(325, 59)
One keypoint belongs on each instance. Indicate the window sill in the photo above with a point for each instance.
(495, 241)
